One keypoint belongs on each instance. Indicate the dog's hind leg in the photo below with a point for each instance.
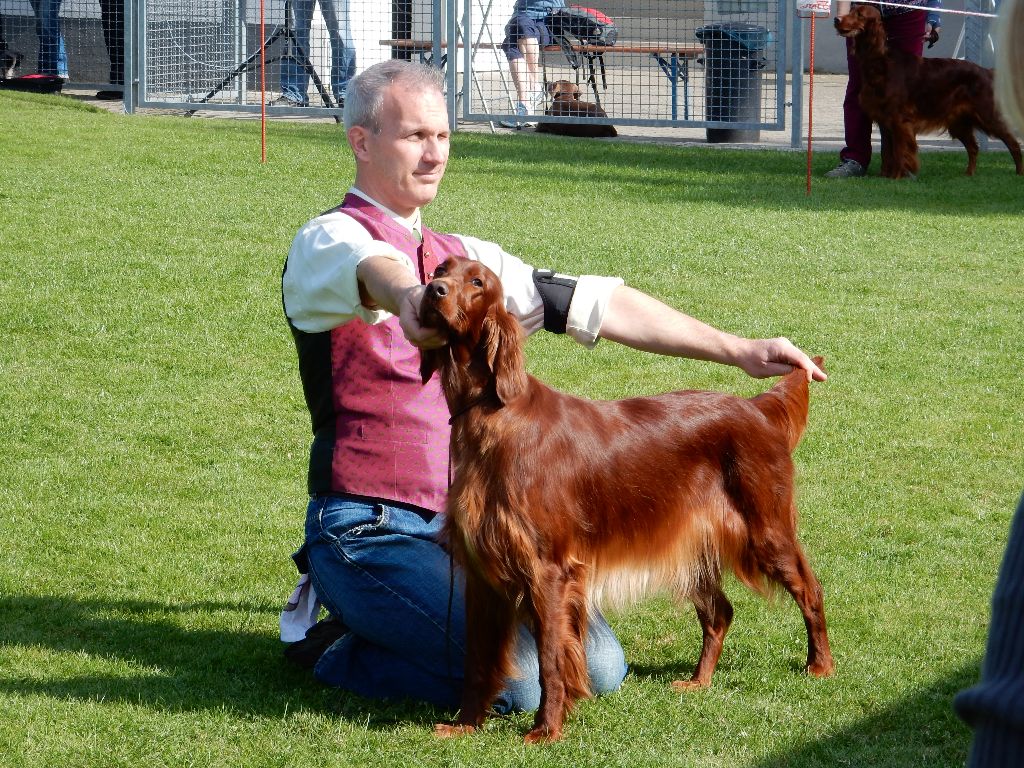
(1012, 144)
(785, 563)
(714, 611)
(995, 127)
(963, 131)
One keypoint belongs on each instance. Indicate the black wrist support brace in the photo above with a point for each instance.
(556, 292)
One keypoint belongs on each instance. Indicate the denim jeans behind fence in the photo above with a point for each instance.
(294, 75)
(380, 570)
(53, 59)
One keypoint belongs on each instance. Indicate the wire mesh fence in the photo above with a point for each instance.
(717, 62)
(977, 32)
(300, 53)
(668, 61)
(688, 62)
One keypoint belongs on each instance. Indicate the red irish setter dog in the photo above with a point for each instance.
(565, 102)
(907, 95)
(557, 500)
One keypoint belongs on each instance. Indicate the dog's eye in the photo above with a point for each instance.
(477, 282)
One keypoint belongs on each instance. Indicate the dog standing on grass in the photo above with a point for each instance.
(565, 102)
(907, 95)
(557, 500)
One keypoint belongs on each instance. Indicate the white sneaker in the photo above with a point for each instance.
(522, 110)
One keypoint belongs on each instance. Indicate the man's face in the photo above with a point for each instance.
(402, 165)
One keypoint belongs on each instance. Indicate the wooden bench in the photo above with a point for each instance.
(673, 60)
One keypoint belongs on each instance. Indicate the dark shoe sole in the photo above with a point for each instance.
(321, 636)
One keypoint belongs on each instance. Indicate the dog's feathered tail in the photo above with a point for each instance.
(786, 404)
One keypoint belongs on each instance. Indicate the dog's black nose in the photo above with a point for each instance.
(835, 22)
(437, 289)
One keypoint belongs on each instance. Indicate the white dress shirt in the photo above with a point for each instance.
(321, 291)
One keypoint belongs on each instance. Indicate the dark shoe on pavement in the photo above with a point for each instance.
(285, 101)
(847, 169)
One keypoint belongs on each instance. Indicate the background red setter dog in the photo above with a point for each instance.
(557, 499)
(565, 102)
(907, 95)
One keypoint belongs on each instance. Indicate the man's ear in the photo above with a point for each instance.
(357, 136)
(505, 353)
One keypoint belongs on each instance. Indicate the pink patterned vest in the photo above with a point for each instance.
(378, 431)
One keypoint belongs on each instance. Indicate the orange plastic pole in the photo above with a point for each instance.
(810, 106)
(263, 89)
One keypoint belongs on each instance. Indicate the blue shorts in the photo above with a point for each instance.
(522, 26)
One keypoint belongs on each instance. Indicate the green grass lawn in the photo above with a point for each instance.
(154, 438)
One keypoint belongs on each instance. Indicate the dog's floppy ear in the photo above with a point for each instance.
(504, 353)
(430, 361)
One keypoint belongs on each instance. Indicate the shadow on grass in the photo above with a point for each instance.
(919, 730)
(162, 662)
(167, 656)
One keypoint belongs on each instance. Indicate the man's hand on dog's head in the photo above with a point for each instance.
(409, 319)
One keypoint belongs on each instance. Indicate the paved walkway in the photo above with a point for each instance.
(829, 90)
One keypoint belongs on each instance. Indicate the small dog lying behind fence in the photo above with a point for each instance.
(556, 501)
(565, 102)
(907, 95)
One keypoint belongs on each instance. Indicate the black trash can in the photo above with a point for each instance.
(732, 77)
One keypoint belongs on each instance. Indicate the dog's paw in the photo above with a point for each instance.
(542, 734)
(683, 686)
(821, 668)
(449, 731)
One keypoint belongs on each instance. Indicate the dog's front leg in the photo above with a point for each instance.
(888, 153)
(490, 624)
(902, 151)
(559, 626)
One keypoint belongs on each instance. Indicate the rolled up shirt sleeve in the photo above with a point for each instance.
(587, 309)
(319, 285)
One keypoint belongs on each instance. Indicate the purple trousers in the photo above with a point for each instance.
(904, 31)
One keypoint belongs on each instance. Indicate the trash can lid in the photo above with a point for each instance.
(750, 36)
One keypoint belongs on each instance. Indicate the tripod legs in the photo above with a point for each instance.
(294, 49)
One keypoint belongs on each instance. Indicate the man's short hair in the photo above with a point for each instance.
(364, 96)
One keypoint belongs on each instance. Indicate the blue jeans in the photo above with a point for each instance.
(294, 76)
(380, 570)
(53, 59)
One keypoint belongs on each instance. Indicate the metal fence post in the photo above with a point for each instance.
(131, 48)
(797, 73)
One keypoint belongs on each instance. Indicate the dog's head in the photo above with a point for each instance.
(860, 19)
(464, 300)
(563, 89)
